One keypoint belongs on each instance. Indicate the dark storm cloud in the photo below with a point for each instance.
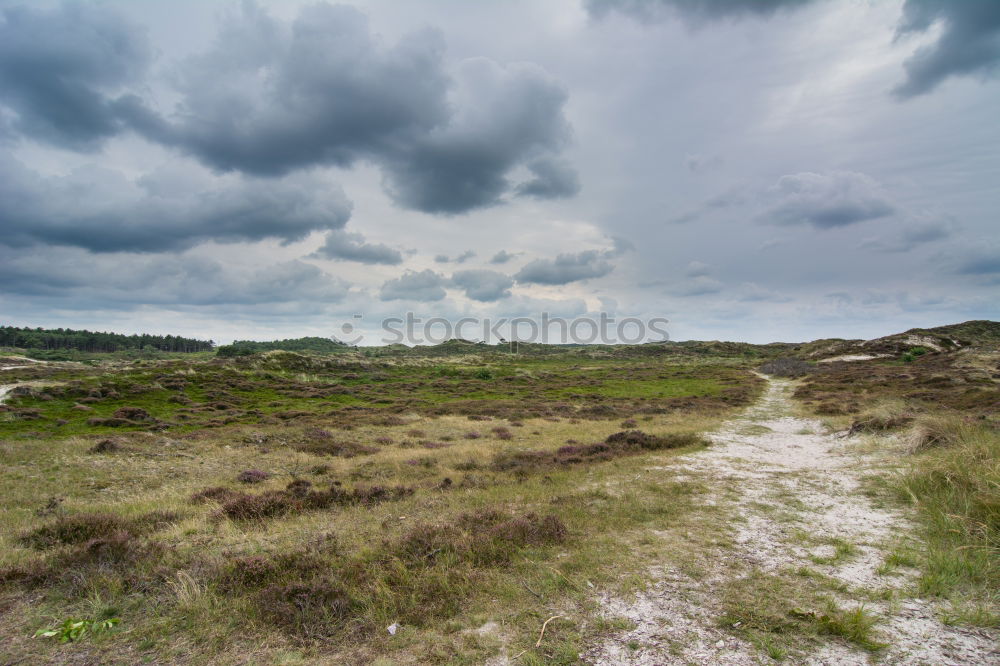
(502, 257)
(504, 117)
(553, 179)
(101, 210)
(413, 286)
(271, 97)
(968, 44)
(825, 200)
(483, 285)
(87, 281)
(62, 69)
(320, 90)
(324, 91)
(694, 11)
(565, 268)
(348, 246)
(570, 267)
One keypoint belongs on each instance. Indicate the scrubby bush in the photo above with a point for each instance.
(501, 432)
(75, 529)
(251, 572)
(330, 447)
(625, 443)
(213, 494)
(486, 538)
(913, 354)
(258, 507)
(243, 573)
(86, 527)
(298, 487)
(249, 476)
(132, 414)
(297, 497)
(378, 494)
(312, 608)
(636, 439)
(116, 549)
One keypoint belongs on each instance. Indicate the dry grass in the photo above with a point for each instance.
(936, 430)
(954, 482)
(885, 415)
(321, 552)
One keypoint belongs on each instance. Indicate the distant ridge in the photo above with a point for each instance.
(949, 337)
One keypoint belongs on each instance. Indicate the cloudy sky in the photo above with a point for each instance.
(750, 170)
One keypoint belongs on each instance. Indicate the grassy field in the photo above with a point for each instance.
(284, 508)
(451, 504)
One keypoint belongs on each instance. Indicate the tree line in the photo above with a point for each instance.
(89, 341)
(315, 344)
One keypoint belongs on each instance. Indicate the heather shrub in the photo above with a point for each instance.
(132, 414)
(85, 527)
(213, 494)
(313, 608)
(252, 476)
(258, 507)
(75, 529)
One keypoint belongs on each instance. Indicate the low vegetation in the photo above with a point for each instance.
(307, 502)
(783, 612)
(282, 507)
(954, 482)
(964, 382)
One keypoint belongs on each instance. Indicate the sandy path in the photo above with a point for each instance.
(787, 479)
